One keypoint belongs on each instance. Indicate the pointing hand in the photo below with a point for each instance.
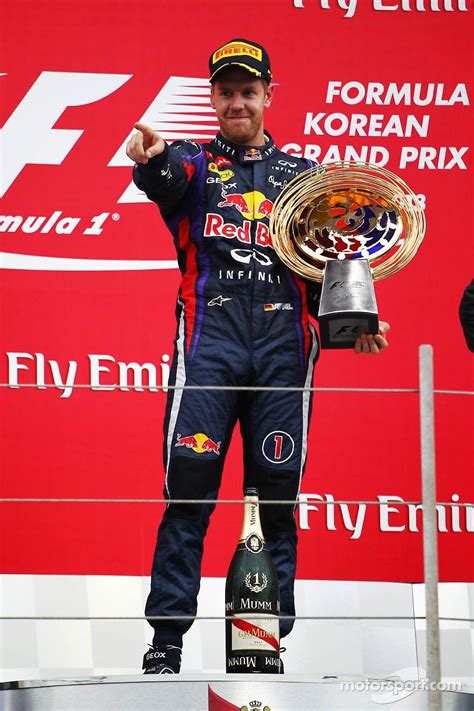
(144, 144)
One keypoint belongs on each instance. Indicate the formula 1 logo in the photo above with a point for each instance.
(46, 101)
(54, 92)
(36, 116)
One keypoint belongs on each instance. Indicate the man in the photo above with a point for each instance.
(242, 321)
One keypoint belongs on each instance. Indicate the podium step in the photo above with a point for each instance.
(237, 692)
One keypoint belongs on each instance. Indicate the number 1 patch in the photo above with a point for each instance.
(278, 446)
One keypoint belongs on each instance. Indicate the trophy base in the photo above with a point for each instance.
(348, 305)
(341, 331)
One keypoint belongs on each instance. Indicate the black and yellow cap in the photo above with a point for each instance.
(241, 53)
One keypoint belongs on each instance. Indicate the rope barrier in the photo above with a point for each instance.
(281, 502)
(238, 388)
(215, 618)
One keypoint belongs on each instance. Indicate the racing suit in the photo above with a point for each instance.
(242, 321)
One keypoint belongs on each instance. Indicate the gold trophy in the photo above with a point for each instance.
(346, 224)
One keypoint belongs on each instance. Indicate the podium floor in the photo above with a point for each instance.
(241, 692)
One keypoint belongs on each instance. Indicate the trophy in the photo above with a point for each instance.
(346, 224)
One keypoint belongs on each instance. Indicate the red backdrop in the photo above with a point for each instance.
(77, 76)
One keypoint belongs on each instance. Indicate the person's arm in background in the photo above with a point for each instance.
(466, 315)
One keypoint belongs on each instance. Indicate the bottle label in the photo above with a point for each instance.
(256, 582)
(251, 534)
(253, 632)
(253, 543)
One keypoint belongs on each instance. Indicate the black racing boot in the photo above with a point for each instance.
(162, 659)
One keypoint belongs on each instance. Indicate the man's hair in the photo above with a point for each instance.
(232, 69)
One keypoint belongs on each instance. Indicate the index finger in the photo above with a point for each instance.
(135, 149)
(143, 128)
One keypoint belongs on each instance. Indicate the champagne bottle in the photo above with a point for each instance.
(252, 599)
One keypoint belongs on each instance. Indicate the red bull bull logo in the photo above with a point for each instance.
(253, 154)
(198, 442)
(265, 207)
(253, 205)
(235, 200)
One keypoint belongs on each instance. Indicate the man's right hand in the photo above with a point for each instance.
(144, 144)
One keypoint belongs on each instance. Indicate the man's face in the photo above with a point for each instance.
(239, 100)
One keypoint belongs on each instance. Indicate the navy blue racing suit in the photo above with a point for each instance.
(242, 321)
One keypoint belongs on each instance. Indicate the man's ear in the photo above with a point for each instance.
(268, 97)
(212, 97)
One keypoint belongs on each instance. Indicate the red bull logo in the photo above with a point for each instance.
(216, 227)
(235, 200)
(253, 154)
(265, 207)
(198, 442)
(253, 205)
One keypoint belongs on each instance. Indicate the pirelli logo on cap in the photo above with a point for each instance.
(233, 49)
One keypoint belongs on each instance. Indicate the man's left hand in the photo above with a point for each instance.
(370, 343)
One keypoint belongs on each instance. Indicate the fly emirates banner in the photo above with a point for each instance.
(89, 276)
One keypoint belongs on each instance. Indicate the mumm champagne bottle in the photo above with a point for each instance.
(252, 600)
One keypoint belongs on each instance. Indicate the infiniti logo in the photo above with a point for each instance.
(245, 255)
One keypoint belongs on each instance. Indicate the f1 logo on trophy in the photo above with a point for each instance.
(347, 224)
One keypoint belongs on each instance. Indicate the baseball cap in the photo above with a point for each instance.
(241, 53)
